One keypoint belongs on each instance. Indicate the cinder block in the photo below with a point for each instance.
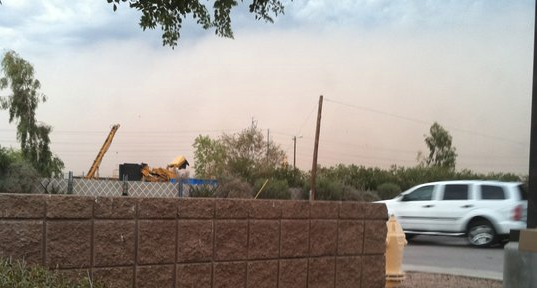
(69, 207)
(322, 272)
(194, 275)
(375, 211)
(348, 272)
(295, 209)
(68, 244)
(323, 237)
(22, 206)
(232, 208)
(231, 240)
(324, 210)
(263, 274)
(157, 208)
(195, 240)
(265, 209)
(264, 239)
(22, 239)
(373, 271)
(375, 237)
(351, 210)
(197, 208)
(155, 276)
(295, 238)
(293, 273)
(350, 237)
(113, 243)
(156, 241)
(115, 277)
(115, 207)
(229, 275)
(74, 274)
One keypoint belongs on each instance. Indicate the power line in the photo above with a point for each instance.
(420, 121)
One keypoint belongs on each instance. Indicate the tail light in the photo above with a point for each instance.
(517, 213)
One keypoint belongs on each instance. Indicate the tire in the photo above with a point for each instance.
(481, 233)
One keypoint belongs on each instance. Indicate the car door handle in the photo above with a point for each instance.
(428, 206)
(467, 206)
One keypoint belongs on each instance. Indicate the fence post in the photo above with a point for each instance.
(125, 191)
(180, 187)
(70, 183)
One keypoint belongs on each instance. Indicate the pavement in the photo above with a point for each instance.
(454, 271)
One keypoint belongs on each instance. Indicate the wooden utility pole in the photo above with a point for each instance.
(268, 142)
(532, 178)
(294, 152)
(315, 150)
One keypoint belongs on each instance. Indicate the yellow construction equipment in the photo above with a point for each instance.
(93, 172)
(164, 174)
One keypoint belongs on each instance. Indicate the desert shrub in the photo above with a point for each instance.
(234, 188)
(294, 177)
(353, 194)
(329, 189)
(15, 273)
(274, 189)
(297, 193)
(388, 190)
(206, 191)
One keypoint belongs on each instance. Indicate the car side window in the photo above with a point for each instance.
(492, 192)
(455, 192)
(424, 193)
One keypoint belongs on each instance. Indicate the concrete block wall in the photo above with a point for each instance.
(196, 242)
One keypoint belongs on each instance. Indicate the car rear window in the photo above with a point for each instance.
(523, 192)
(455, 192)
(492, 192)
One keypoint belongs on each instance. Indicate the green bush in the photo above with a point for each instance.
(353, 194)
(294, 177)
(18, 274)
(234, 188)
(328, 189)
(388, 190)
(205, 191)
(274, 189)
(17, 175)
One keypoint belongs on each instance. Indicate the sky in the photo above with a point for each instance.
(387, 71)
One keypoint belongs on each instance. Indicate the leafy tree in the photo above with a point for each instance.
(441, 153)
(209, 157)
(21, 104)
(170, 14)
(246, 155)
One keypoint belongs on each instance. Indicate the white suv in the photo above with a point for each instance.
(483, 211)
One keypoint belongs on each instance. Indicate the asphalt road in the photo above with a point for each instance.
(452, 255)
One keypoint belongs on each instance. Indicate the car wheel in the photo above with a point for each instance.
(481, 233)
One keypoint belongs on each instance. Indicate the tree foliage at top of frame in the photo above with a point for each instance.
(170, 14)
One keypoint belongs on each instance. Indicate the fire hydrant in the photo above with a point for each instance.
(395, 243)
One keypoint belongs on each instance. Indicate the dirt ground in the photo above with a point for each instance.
(426, 280)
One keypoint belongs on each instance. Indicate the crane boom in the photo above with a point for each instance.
(95, 167)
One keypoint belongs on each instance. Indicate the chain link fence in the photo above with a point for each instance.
(108, 188)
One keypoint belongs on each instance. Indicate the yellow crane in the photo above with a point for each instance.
(95, 167)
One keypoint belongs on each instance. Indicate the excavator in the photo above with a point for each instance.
(164, 174)
(94, 169)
